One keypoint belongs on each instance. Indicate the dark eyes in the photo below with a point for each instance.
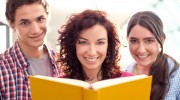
(86, 42)
(133, 41)
(81, 42)
(149, 41)
(41, 19)
(146, 41)
(24, 23)
(27, 22)
(100, 42)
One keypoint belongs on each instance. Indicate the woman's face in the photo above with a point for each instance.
(143, 46)
(91, 47)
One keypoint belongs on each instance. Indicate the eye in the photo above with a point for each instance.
(100, 42)
(149, 41)
(133, 41)
(24, 23)
(41, 19)
(82, 42)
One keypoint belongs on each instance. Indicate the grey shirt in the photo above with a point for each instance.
(40, 66)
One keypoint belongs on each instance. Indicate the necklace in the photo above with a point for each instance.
(141, 71)
(135, 71)
(90, 79)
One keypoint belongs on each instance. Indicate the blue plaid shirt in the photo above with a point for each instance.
(174, 86)
(14, 77)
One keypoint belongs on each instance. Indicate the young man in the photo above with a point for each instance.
(29, 55)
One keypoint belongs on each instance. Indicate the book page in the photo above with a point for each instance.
(110, 82)
(65, 81)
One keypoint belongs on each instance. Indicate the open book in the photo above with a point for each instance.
(126, 88)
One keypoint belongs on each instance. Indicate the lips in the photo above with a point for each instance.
(142, 57)
(37, 36)
(91, 59)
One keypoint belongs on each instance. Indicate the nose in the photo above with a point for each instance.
(141, 48)
(91, 50)
(35, 27)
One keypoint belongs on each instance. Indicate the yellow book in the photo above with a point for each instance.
(126, 88)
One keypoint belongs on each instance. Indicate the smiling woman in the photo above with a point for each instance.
(145, 35)
(89, 47)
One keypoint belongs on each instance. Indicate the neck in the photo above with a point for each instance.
(141, 70)
(93, 76)
(36, 52)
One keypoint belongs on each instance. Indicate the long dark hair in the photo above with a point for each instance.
(160, 69)
(69, 34)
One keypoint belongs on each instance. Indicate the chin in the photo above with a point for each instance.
(39, 45)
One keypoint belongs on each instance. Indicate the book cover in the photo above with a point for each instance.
(126, 88)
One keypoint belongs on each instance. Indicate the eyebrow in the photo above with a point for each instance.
(144, 38)
(25, 20)
(97, 40)
(150, 38)
(132, 38)
(102, 39)
(82, 38)
(42, 16)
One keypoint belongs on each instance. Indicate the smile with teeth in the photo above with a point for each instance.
(91, 59)
(142, 56)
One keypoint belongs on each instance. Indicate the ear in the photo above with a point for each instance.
(127, 38)
(11, 25)
(163, 39)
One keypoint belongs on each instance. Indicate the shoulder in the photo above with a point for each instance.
(171, 64)
(176, 76)
(174, 87)
(7, 57)
(6, 61)
(130, 67)
(12, 52)
(51, 52)
(8, 54)
(12, 57)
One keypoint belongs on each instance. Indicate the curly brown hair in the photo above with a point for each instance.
(69, 34)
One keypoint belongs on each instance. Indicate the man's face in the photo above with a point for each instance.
(30, 25)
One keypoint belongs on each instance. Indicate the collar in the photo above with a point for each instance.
(22, 60)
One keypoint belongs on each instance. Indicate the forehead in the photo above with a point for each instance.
(140, 32)
(96, 31)
(30, 11)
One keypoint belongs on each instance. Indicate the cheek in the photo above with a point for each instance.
(80, 50)
(44, 26)
(23, 31)
(155, 48)
(20, 33)
(18, 30)
(132, 48)
(102, 50)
